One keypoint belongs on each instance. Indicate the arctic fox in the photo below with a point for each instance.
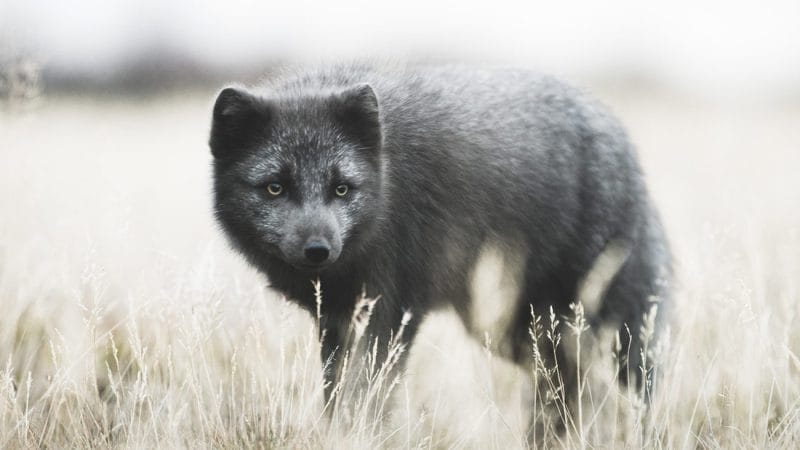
(395, 181)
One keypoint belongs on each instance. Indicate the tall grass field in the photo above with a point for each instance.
(126, 321)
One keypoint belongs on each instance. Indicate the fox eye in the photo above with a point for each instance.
(341, 190)
(275, 189)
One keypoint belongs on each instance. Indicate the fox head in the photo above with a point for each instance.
(297, 177)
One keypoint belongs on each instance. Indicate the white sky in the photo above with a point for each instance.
(712, 44)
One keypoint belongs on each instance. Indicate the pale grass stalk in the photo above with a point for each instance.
(578, 326)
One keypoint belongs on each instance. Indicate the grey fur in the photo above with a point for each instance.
(438, 161)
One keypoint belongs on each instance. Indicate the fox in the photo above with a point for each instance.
(394, 182)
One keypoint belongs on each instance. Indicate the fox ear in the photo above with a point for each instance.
(237, 118)
(358, 113)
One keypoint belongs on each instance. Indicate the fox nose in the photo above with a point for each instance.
(316, 251)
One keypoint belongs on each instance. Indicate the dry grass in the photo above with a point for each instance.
(126, 321)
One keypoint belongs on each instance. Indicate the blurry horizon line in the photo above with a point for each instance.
(162, 71)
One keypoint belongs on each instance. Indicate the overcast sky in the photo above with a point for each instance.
(715, 44)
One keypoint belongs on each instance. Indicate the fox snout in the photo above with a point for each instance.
(317, 250)
(313, 241)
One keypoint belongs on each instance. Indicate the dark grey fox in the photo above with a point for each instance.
(394, 181)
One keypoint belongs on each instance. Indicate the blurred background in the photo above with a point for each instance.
(711, 48)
